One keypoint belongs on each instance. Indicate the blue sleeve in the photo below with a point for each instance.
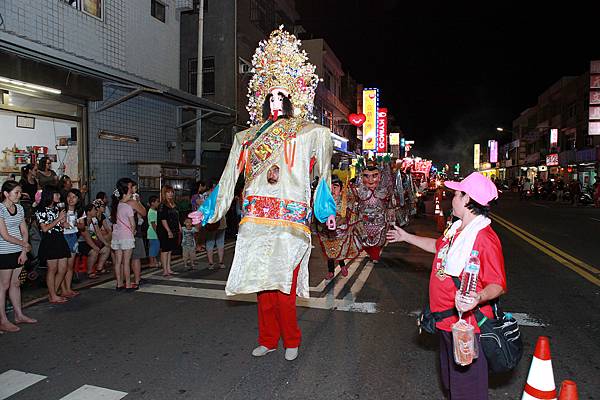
(207, 208)
(324, 203)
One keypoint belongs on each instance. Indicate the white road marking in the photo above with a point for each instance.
(361, 280)
(595, 219)
(157, 277)
(524, 319)
(89, 392)
(217, 294)
(13, 381)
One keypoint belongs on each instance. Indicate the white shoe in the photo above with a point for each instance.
(291, 353)
(261, 351)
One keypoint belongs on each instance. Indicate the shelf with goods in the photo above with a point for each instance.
(152, 176)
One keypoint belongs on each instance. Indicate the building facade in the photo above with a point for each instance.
(94, 85)
(336, 96)
(550, 140)
(232, 31)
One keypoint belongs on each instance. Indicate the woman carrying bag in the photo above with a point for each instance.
(472, 231)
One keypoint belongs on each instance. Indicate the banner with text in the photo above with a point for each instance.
(370, 105)
(594, 113)
(476, 155)
(382, 122)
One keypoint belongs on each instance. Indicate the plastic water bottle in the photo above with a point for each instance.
(468, 285)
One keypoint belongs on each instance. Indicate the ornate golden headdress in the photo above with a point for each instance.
(279, 63)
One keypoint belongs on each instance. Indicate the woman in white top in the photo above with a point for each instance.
(71, 234)
(14, 245)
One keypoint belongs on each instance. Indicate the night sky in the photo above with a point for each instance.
(450, 72)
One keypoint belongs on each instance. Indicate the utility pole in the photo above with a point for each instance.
(199, 84)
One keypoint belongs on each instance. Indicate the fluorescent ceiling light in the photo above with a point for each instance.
(29, 85)
(118, 137)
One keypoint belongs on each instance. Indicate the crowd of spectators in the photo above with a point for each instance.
(48, 229)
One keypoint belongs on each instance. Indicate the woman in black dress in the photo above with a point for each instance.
(168, 228)
(53, 247)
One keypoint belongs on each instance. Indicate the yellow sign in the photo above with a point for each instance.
(370, 99)
(476, 156)
(394, 138)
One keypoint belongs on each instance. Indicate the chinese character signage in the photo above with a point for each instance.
(476, 155)
(493, 147)
(370, 104)
(594, 111)
(552, 159)
(553, 137)
(394, 138)
(382, 130)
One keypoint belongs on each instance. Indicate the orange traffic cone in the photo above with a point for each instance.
(568, 391)
(540, 381)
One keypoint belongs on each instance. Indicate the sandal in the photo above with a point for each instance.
(221, 265)
(211, 266)
(133, 288)
(92, 276)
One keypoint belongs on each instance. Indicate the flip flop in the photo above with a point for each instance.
(57, 301)
(34, 321)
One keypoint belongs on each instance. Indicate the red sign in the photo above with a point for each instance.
(416, 166)
(552, 159)
(382, 128)
(357, 119)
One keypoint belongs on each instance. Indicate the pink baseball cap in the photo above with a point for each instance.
(477, 186)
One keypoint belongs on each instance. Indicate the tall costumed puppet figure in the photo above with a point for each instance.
(376, 206)
(276, 156)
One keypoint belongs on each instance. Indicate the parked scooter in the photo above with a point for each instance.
(586, 197)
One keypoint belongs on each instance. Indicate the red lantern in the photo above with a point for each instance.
(357, 119)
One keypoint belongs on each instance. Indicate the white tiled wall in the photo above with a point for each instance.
(150, 118)
(127, 38)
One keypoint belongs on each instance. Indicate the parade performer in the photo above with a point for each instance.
(340, 244)
(376, 207)
(275, 156)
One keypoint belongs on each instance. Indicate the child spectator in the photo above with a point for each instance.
(188, 244)
(153, 242)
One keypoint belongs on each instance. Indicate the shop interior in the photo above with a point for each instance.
(35, 122)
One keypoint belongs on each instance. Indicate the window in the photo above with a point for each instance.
(262, 15)
(328, 119)
(208, 76)
(95, 8)
(197, 5)
(158, 10)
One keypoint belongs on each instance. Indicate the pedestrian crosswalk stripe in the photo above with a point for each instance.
(89, 392)
(158, 277)
(324, 303)
(13, 381)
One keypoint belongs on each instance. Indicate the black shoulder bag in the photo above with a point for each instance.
(500, 337)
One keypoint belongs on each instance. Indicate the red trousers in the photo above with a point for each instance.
(277, 317)
(373, 252)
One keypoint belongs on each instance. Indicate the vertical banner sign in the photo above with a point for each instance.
(476, 156)
(553, 137)
(594, 114)
(493, 147)
(394, 138)
(370, 104)
(382, 145)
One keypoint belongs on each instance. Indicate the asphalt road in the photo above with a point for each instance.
(180, 339)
